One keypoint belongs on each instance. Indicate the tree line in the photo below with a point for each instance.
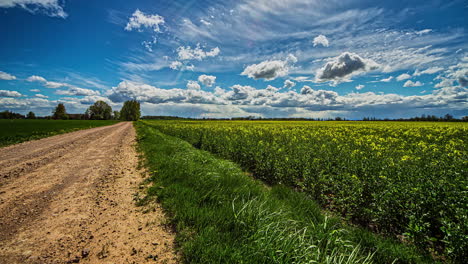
(100, 110)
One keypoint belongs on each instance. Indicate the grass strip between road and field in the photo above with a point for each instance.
(19, 130)
(221, 215)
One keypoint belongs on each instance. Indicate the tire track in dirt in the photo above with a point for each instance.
(78, 206)
(18, 159)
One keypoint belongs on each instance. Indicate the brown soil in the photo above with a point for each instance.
(71, 198)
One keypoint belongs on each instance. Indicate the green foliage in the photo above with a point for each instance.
(60, 112)
(222, 215)
(130, 111)
(99, 111)
(31, 115)
(10, 115)
(407, 179)
(116, 115)
(16, 131)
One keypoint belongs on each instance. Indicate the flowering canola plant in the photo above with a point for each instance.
(405, 179)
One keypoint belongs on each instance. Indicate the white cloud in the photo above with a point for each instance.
(140, 20)
(424, 31)
(291, 59)
(360, 86)
(197, 53)
(7, 93)
(41, 96)
(127, 90)
(48, 84)
(76, 91)
(35, 78)
(148, 44)
(175, 65)
(431, 70)
(55, 85)
(403, 76)
(459, 72)
(321, 40)
(343, 67)
(72, 90)
(273, 102)
(288, 84)
(193, 85)
(207, 80)
(462, 77)
(270, 69)
(204, 22)
(410, 83)
(444, 83)
(35, 90)
(6, 76)
(387, 79)
(49, 7)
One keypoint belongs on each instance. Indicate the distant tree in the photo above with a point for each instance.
(10, 115)
(130, 111)
(116, 115)
(448, 117)
(465, 119)
(60, 112)
(31, 115)
(99, 111)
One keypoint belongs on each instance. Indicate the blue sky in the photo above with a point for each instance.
(269, 58)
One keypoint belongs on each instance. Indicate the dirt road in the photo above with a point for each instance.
(71, 199)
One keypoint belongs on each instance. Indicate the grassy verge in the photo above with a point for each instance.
(17, 131)
(224, 216)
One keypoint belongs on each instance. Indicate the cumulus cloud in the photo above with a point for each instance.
(410, 83)
(72, 90)
(55, 85)
(6, 76)
(288, 84)
(343, 67)
(193, 85)
(431, 70)
(462, 78)
(272, 100)
(270, 69)
(207, 80)
(34, 90)
(197, 53)
(459, 73)
(321, 40)
(403, 76)
(41, 96)
(360, 86)
(35, 78)
(49, 7)
(444, 83)
(7, 93)
(175, 65)
(77, 91)
(127, 90)
(48, 84)
(140, 20)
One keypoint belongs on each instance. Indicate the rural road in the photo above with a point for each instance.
(71, 199)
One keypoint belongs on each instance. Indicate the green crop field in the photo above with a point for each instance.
(403, 180)
(19, 130)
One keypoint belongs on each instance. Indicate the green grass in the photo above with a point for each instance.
(20, 130)
(222, 215)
